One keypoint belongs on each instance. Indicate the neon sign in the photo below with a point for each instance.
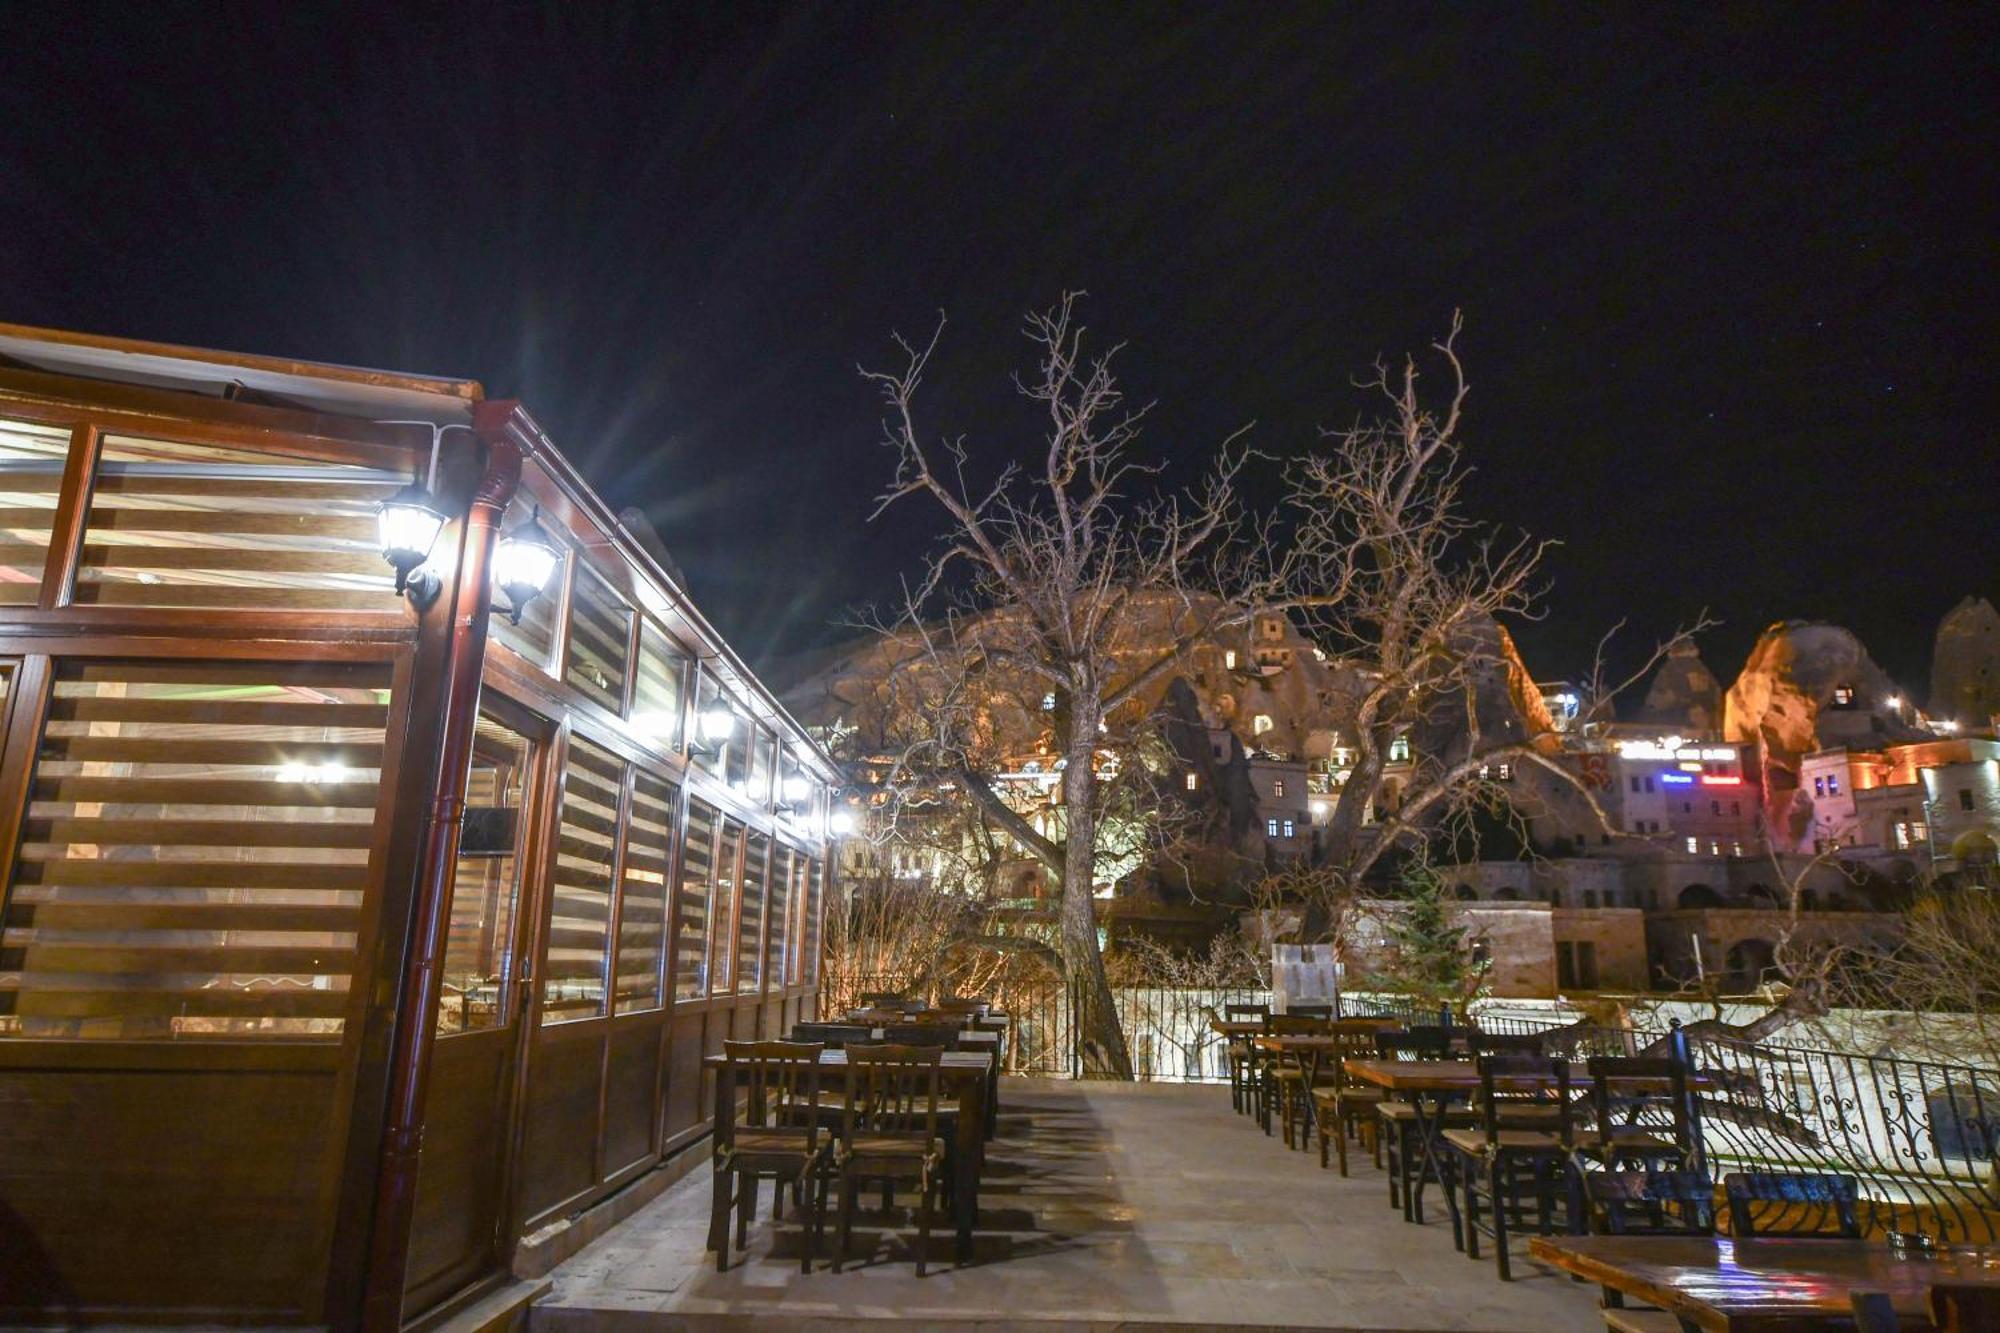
(1712, 781)
(1677, 779)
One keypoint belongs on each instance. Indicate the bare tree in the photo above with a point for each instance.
(1056, 584)
(1394, 578)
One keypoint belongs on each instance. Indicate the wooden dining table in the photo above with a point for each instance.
(1762, 1286)
(963, 1075)
(1431, 1086)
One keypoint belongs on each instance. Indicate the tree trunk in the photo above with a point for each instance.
(1100, 1041)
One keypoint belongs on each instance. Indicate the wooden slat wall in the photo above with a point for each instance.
(195, 849)
(31, 468)
(695, 903)
(580, 917)
(642, 916)
(192, 525)
(750, 916)
(600, 638)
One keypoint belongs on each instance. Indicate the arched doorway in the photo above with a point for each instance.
(1749, 964)
(1699, 895)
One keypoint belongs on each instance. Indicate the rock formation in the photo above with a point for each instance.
(1808, 687)
(1684, 695)
(1965, 664)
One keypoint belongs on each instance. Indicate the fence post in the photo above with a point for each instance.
(1690, 1102)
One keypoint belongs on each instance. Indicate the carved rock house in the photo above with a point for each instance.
(352, 934)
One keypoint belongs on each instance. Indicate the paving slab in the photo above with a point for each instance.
(1104, 1206)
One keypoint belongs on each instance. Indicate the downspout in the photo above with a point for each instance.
(410, 1050)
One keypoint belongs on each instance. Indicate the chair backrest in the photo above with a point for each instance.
(881, 999)
(1512, 1081)
(1794, 1204)
(1419, 1043)
(1637, 1093)
(1296, 1025)
(965, 1005)
(1494, 1043)
(1874, 1312)
(1245, 1013)
(832, 1034)
(782, 1079)
(892, 1090)
(1961, 1307)
(1615, 1196)
(1310, 1010)
(944, 1036)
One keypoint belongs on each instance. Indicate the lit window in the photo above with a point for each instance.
(1049, 702)
(1902, 836)
(1736, 849)
(1399, 749)
(1261, 724)
(1229, 659)
(1271, 828)
(1833, 784)
(1288, 828)
(1843, 695)
(1506, 772)
(1193, 782)
(1714, 847)
(1819, 786)
(1278, 787)
(1693, 846)
(1919, 831)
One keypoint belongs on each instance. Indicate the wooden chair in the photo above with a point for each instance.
(942, 1035)
(881, 999)
(1489, 1160)
(1642, 1115)
(832, 1035)
(1238, 1051)
(1397, 1120)
(1347, 1107)
(1804, 1202)
(1279, 1077)
(1311, 1010)
(1478, 1043)
(778, 1135)
(890, 1132)
(1647, 1203)
(1874, 1312)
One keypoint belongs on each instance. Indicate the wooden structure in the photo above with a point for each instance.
(346, 942)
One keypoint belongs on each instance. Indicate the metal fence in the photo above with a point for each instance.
(1920, 1137)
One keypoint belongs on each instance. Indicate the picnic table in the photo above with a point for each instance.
(963, 1075)
(1750, 1286)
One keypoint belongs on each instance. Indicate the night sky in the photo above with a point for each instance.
(1728, 278)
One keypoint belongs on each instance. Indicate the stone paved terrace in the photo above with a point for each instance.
(1104, 1205)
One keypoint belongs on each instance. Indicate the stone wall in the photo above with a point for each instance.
(1618, 938)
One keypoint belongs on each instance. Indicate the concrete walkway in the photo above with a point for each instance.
(1104, 1204)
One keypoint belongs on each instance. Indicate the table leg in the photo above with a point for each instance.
(723, 1108)
(970, 1152)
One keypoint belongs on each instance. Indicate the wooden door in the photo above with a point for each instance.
(461, 1185)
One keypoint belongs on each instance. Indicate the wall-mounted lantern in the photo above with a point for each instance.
(523, 563)
(712, 729)
(409, 522)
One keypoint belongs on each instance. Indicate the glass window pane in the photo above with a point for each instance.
(486, 882)
(195, 850)
(31, 468)
(642, 912)
(815, 908)
(736, 755)
(197, 525)
(727, 852)
(692, 903)
(763, 762)
(535, 637)
(656, 694)
(600, 629)
(580, 919)
(750, 919)
(780, 913)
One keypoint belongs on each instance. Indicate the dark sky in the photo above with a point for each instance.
(1728, 271)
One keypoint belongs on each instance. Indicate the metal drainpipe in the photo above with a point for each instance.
(410, 1052)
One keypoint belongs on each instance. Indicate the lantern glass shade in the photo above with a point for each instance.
(523, 563)
(840, 822)
(717, 725)
(408, 523)
(797, 789)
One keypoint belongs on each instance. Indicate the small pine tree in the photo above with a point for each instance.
(1433, 960)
